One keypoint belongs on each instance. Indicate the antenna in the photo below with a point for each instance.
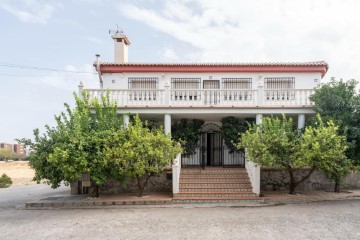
(118, 30)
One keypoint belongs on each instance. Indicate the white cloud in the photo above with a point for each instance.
(94, 40)
(68, 80)
(262, 30)
(170, 54)
(31, 11)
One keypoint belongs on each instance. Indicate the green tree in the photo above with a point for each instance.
(275, 143)
(187, 133)
(5, 181)
(231, 128)
(141, 153)
(339, 101)
(6, 154)
(76, 144)
(321, 146)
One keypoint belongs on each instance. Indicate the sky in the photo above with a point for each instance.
(48, 46)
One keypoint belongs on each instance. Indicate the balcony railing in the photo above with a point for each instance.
(218, 97)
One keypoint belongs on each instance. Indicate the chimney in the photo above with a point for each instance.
(121, 43)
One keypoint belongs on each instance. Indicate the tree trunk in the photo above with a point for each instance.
(142, 184)
(292, 184)
(337, 187)
(94, 190)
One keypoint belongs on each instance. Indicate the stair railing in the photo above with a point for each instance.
(176, 168)
(253, 171)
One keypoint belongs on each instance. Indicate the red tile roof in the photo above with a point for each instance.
(319, 66)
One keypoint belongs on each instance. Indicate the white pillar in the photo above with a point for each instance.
(167, 123)
(126, 119)
(259, 118)
(81, 88)
(301, 121)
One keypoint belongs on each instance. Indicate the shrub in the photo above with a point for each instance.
(5, 181)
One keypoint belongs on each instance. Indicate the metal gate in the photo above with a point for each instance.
(212, 151)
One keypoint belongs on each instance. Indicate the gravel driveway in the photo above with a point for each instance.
(323, 220)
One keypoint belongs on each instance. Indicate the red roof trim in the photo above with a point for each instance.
(112, 68)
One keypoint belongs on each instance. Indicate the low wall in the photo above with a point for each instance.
(162, 182)
(272, 179)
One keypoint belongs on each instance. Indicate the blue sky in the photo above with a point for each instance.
(60, 39)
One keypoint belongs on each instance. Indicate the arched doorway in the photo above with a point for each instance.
(211, 145)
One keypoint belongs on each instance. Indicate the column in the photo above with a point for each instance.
(259, 118)
(301, 121)
(81, 87)
(167, 123)
(167, 94)
(126, 120)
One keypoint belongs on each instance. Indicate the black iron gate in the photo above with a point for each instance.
(212, 151)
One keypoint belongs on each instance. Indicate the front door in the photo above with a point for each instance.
(211, 145)
(213, 153)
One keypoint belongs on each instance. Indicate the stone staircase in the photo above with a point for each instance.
(214, 185)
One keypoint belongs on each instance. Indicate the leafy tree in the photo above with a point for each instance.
(76, 144)
(324, 148)
(231, 128)
(5, 181)
(340, 102)
(6, 154)
(275, 143)
(141, 153)
(187, 133)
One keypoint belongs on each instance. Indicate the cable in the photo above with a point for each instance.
(20, 75)
(3, 64)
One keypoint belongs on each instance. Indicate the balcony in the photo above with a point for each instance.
(208, 98)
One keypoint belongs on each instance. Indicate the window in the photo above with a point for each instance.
(185, 83)
(237, 83)
(280, 83)
(211, 84)
(143, 83)
(280, 88)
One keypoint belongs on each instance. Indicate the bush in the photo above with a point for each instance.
(5, 181)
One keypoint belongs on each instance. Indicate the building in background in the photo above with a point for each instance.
(17, 149)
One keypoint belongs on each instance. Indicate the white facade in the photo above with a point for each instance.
(150, 90)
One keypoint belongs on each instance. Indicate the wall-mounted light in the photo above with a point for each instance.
(315, 80)
(210, 77)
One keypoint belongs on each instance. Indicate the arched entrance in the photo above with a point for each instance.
(211, 145)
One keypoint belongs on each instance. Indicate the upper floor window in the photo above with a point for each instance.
(280, 83)
(143, 83)
(237, 83)
(211, 84)
(185, 83)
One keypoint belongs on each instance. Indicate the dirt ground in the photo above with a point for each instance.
(18, 171)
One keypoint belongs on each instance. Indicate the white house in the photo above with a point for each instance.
(168, 92)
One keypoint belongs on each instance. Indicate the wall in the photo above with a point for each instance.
(162, 182)
(302, 80)
(272, 179)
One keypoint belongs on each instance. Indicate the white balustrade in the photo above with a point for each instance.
(203, 97)
(288, 97)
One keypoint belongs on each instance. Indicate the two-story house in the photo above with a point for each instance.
(167, 92)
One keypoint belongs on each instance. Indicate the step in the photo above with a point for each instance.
(216, 175)
(217, 200)
(215, 184)
(212, 180)
(214, 194)
(215, 189)
(212, 170)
